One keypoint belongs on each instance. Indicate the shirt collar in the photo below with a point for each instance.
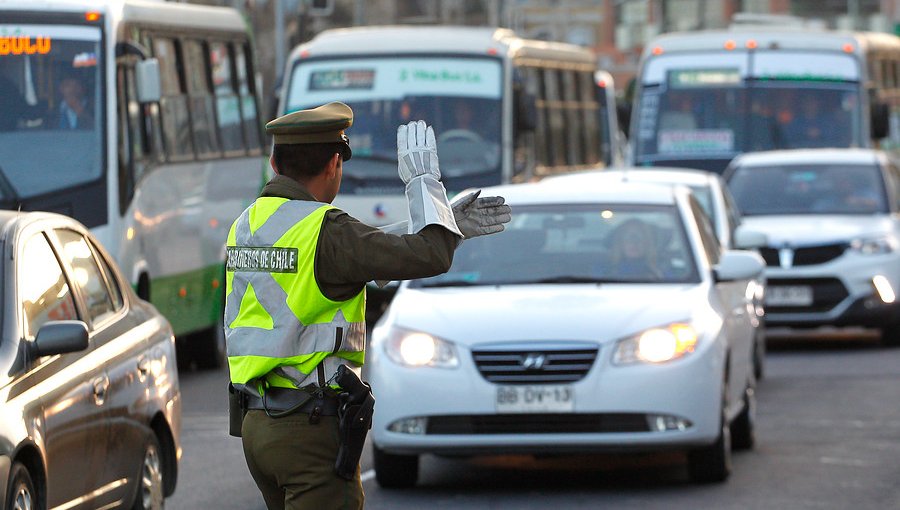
(285, 187)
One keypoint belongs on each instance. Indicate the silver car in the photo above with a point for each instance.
(832, 217)
(90, 406)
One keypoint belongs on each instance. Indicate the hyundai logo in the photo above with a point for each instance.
(534, 361)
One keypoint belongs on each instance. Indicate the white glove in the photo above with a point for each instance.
(417, 164)
(480, 216)
(417, 151)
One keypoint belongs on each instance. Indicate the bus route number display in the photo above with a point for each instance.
(342, 79)
(688, 78)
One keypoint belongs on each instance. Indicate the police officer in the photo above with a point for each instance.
(295, 295)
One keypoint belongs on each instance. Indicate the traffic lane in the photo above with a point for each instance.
(827, 437)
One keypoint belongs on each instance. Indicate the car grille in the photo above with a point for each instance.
(806, 256)
(555, 366)
(827, 293)
(537, 423)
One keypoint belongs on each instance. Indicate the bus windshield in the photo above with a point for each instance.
(460, 97)
(694, 111)
(51, 109)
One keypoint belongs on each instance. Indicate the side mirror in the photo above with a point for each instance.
(526, 111)
(738, 265)
(881, 113)
(147, 80)
(58, 337)
(749, 239)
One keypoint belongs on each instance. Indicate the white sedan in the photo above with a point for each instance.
(713, 194)
(603, 318)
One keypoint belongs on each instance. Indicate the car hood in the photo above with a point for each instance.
(804, 230)
(595, 313)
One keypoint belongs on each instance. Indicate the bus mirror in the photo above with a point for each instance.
(880, 119)
(526, 111)
(148, 82)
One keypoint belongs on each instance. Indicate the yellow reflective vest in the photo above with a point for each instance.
(280, 330)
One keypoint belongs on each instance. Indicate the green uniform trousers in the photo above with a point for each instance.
(292, 462)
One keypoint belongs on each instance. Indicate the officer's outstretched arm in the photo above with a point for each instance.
(475, 216)
(417, 163)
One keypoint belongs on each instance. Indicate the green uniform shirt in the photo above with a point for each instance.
(350, 253)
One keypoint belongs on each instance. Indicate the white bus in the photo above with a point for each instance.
(704, 97)
(505, 109)
(140, 120)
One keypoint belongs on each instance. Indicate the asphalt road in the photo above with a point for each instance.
(828, 436)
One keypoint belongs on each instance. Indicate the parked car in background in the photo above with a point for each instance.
(713, 195)
(832, 217)
(90, 406)
(603, 318)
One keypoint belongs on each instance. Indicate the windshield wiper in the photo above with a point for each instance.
(453, 283)
(573, 279)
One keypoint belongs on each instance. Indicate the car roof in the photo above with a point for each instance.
(598, 191)
(809, 156)
(18, 219)
(660, 175)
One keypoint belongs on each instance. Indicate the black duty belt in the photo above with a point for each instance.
(282, 399)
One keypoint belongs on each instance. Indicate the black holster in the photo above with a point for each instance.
(237, 408)
(355, 420)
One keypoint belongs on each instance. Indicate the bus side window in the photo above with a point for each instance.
(203, 118)
(524, 89)
(228, 104)
(541, 136)
(572, 127)
(554, 119)
(247, 91)
(176, 125)
(590, 112)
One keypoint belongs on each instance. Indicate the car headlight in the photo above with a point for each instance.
(875, 245)
(417, 349)
(657, 345)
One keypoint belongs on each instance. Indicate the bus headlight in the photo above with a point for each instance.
(657, 345)
(417, 349)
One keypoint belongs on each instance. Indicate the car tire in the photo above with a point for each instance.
(759, 354)
(21, 494)
(208, 349)
(395, 471)
(743, 428)
(712, 464)
(151, 487)
(890, 335)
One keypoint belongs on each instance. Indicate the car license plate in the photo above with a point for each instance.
(789, 295)
(535, 399)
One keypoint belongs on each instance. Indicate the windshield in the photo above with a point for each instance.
(717, 109)
(459, 97)
(808, 189)
(50, 108)
(576, 244)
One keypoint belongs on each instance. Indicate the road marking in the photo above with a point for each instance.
(368, 475)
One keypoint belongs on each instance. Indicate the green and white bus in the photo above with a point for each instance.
(139, 119)
(505, 109)
(704, 97)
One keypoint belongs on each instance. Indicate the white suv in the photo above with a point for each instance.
(832, 217)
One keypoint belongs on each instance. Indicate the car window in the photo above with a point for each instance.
(734, 215)
(87, 275)
(707, 233)
(577, 243)
(809, 189)
(44, 293)
(115, 292)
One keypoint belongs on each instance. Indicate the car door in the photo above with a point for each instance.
(737, 304)
(121, 350)
(72, 386)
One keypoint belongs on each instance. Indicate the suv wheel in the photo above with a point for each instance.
(395, 471)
